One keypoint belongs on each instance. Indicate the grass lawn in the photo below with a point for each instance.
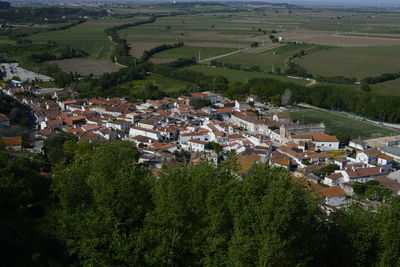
(168, 85)
(193, 51)
(270, 59)
(387, 88)
(358, 62)
(242, 76)
(336, 124)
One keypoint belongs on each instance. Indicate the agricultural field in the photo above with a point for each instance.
(339, 124)
(86, 66)
(88, 36)
(270, 59)
(387, 88)
(358, 62)
(242, 76)
(167, 85)
(193, 51)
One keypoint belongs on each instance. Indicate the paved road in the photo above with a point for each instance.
(225, 55)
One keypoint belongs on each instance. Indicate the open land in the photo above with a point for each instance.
(86, 66)
(193, 51)
(358, 62)
(339, 124)
(387, 88)
(342, 39)
(269, 60)
(89, 36)
(242, 76)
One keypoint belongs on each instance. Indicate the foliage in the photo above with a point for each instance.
(381, 78)
(148, 53)
(371, 190)
(215, 146)
(199, 103)
(24, 198)
(109, 211)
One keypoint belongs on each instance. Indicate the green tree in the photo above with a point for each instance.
(198, 103)
(389, 236)
(276, 222)
(104, 197)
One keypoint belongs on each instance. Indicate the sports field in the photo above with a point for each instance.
(357, 62)
(338, 124)
(242, 76)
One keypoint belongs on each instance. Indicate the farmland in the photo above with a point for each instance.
(242, 76)
(387, 88)
(86, 66)
(88, 36)
(358, 62)
(270, 60)
(338, 124)
(192, 51)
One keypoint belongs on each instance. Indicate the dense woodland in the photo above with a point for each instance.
(99, 208)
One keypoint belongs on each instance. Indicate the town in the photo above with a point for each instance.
(204, 126)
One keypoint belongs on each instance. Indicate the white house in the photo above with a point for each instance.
(369, 156)
(334, 179)
(241, 105)
(325, 142)
(118, 125)
(358, 144)
(135, 131)
(334, 196)
(201, 136)
(197, 145)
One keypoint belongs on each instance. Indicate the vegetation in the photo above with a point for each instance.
(147, 54)
(347, 61)
(340, 125)
(101, 208)
(199, 103)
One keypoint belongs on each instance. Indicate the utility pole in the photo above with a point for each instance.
(199, 55)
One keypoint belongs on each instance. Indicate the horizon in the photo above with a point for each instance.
(326, 3)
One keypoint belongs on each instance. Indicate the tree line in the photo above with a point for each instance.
(101, 208)
(381, 78)
(148, 53)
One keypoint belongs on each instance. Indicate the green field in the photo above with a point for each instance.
(336, 124)
(358, 62)
(193, 51)
(88, 36)
(221, 28)
(242, 76)
(167, 85)
(272, 59)
(387, 88)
